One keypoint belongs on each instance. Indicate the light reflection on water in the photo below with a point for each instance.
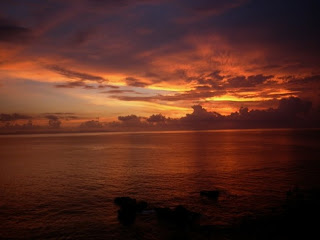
(59, 186)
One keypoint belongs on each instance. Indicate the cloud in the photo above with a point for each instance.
(8, 127)
(80, 76)
(129, 118)
(245, 82)
(54, 124)
(91, 124)
(200, 114)
(210, 7)
(108, 86)
(156, 118)
(134, 82)
(292, 106)
(61, 113)
(74, 84)
(291, 112)
(199, 49)
(52, 117)
(128, 123)
(61, 116)
(119, 91)
(219, 82)
(193, 95)
(82, 36)
(13, 117)
(11, 32)
(54, 121)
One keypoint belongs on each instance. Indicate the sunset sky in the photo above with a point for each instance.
(84, 60)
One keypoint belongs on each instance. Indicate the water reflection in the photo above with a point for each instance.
(62, 183)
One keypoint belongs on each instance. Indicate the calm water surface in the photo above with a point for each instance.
(63, 186)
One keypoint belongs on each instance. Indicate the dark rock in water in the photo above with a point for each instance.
(214, 194)
(164, 213)
(124, 202)
(185, 217)
(128, 209)
(180, 216)
(127, 216)
(141, 206)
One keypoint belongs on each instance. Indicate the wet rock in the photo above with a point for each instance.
(185, 217)
(129, 207)
(214, 194)
(141, 206)
(164, 213)
(127, 216)
(124, 202)
(128, 210)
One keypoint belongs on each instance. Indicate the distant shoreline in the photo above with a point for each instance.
(147, 131)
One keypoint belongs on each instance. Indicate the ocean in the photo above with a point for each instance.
(63, 186)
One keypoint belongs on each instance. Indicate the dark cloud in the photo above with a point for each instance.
(71, 84)
(91, 124)
(11, 32)
(134, 98)
(108, 86)
(75, 84)
(192, 95)
(134, 82)
(61, 116)
(156, 118)
(129, 122)
(216, 76)
(76, 75)
(111, 3)
(10, 127)
(291, 112)
(218, 47)
(119, 91)
(203, 88)
(52, 117)
(61, 113)
(129, 118)
(209, 6)
(54, 123)
(291, 35)
(89, 87)
(200, 114)
(13, 117)
(81, 37)
(308, 82)
(292, 106)
(250, 81)
(71, 117)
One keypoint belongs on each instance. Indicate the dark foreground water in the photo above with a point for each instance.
(63, 186)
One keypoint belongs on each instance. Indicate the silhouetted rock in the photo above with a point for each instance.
(185, 217)
(214, 194)
(141, 206)
(164, 213)
(128, 209)
(127, 216)
(125, 201)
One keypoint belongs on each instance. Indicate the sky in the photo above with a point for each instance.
(156, 63)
